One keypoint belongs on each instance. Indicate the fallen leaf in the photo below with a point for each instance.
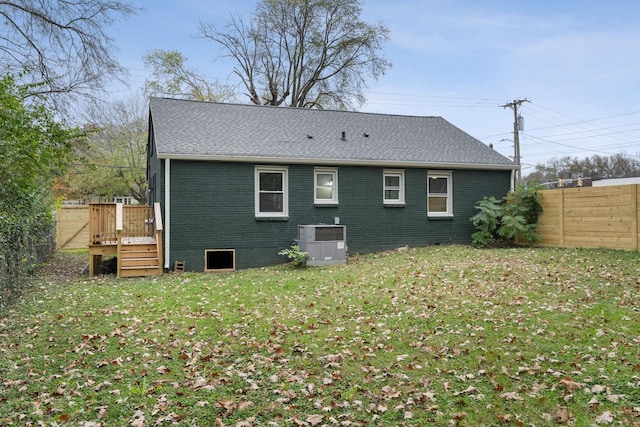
(102, 411)
(458, 416)
(615, 398)
(512, 395)
(389, 392)
(246, 423)
(563, 416)
(163, 370)
(315, 419)
(468, 390)
(245, 404)
(604, 418)
(138, 419)
(570, 384)
(504, 418)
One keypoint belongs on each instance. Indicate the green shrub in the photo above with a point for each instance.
(512, 219)
(297, 257)
(487, 220)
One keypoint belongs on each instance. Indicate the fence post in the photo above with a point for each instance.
(561, 219)
(634, 216)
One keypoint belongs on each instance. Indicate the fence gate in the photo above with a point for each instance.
(72, 227)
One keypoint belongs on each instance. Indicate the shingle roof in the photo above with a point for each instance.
(211, 131)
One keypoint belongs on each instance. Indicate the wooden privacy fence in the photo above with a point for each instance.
(591, 217)
(72, 227)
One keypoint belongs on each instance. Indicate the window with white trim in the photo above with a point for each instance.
(272, 191)
(325, 186)
(126, 200)
(439, 194)
(393, 187)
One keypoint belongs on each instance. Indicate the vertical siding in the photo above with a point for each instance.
(212, 207)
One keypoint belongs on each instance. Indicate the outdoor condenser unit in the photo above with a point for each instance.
(326, 244)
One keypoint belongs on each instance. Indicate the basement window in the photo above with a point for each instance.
(219, 260)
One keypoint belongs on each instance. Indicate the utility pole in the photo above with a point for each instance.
(517, 125)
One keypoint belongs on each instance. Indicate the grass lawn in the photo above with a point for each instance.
(445, 335)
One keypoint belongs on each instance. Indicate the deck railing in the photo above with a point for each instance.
(108, 219)
(102, 224)
(135, 221)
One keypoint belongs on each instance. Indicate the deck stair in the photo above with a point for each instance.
(139, 259)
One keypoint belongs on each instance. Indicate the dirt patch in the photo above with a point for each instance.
(63, 267)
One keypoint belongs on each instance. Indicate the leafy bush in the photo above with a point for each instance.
(487, 220)
(34, 148)
(26, 238)
(512, 219)
(526, 198)
(297, 257)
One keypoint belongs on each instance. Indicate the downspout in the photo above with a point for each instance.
(513, 179)
(167, 211)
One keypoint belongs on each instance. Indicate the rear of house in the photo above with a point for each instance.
(235, 182)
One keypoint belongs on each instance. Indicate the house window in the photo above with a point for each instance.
(271, 186)
(439, 194)
(326, 186)
(393, 190)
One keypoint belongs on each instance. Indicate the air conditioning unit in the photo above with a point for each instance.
(326, 244)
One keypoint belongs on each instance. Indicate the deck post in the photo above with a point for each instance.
(119, 228)
(157, 221)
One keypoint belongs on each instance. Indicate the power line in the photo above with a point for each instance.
(576, 123)
(580, 121)
(573, 146)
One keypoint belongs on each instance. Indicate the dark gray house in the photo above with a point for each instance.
(235, 181)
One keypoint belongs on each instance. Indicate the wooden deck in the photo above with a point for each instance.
(131, 233)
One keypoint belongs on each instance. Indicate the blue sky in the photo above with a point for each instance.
(577, 61)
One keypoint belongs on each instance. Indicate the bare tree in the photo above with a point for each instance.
(60, 46)
(172, 77)
(304, 53)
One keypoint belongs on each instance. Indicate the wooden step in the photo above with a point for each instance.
(139, 248)
(135, 262)
(140, 259)
(139, 271)
(137, 255)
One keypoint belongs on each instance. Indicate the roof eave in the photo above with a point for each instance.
(338, 162)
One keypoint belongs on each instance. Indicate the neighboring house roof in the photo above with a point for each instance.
(197, 130)
(616, 181)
